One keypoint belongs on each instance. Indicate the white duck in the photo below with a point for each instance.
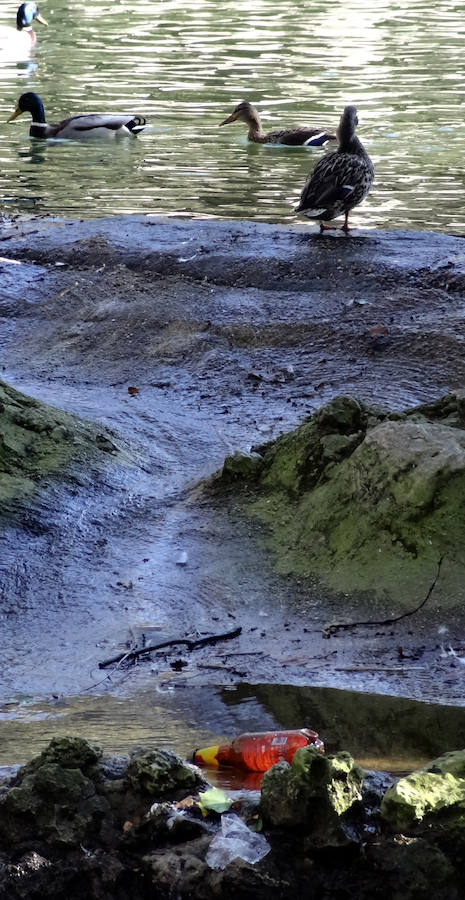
(16, 43)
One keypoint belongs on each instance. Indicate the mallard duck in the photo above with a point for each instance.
(18, 41)
(294, 137)
(76, 127)
(341, 180)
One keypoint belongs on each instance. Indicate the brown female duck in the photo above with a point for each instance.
(294, 137)
(340, 180)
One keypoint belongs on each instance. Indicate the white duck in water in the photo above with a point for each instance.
(16, 43)
(76, 127)
(340, 180)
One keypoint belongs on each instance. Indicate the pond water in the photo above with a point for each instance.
(185, 66)
(381, 732)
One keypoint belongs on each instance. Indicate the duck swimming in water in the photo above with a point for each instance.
(76, 127)
(340, 180)
(16, 43)
(293, 137)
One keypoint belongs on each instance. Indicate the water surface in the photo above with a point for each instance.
(185, 67)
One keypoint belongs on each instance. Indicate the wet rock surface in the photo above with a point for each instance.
(192, 340)
(81, 834)
(363, 497)
(38, 441)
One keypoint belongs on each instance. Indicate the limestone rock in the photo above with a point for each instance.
(430, 791)
(314, 791)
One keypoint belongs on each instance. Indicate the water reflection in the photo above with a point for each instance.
(183, 68)
(381, 732)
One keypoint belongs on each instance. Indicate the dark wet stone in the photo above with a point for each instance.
(155, 772)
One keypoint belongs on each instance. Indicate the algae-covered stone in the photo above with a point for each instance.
(68, 752)
(52, 803)
(314, 791)
(297, 461)
(36, 440)
(365, 499)
(437, 787)
(240, 466)
(155, 772)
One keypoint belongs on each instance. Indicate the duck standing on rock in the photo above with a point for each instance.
(294, 137)
(77, 127)
(341, 180)
(19, 41)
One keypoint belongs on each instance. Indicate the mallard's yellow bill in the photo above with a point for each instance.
(41, 20)
(15, 115)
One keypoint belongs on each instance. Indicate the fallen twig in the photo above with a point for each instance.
(190, 644)
(338, 626)
(378, 668)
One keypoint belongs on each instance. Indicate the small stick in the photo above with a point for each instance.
(378, 668)
(331, 629)
(190, 644)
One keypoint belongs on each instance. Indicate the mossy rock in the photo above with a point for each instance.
(315, 791)
(37, 440)
(157, 772)
(67, 752)
(427, 793)
(54, 804)
(366, 500)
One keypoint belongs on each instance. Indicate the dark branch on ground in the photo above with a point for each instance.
(189, 643)
(339, 626)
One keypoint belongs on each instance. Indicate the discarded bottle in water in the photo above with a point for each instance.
(258, 751)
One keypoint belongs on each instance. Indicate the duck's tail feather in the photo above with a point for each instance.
(136, 125)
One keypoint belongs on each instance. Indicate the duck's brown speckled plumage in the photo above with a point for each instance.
(292, 137)
(340, 180)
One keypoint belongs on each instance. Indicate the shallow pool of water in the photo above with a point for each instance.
(185, 67)
(381, 732)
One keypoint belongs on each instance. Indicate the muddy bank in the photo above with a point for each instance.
(227, 334)
(78, 823)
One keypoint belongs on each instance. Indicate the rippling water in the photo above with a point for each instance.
(185, 67)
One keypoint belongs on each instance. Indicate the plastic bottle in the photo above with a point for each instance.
(258, 751)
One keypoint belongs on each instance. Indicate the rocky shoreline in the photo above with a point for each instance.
(78, 823)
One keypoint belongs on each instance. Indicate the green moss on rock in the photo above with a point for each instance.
(156, 772)
(315, 791)
(367, 500)
(430, 791)
(37, 440)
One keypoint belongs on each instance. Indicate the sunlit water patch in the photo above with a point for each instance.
(185, 67)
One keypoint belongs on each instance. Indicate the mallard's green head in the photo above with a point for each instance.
(29, 103)
(244, 112)
(26, 14)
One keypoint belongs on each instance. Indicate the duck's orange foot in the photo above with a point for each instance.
(345, 226)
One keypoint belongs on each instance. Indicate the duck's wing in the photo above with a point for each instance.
(300, 137)
(97, 125)
(334, 179)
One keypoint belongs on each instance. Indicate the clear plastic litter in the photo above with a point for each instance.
(235, 840)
